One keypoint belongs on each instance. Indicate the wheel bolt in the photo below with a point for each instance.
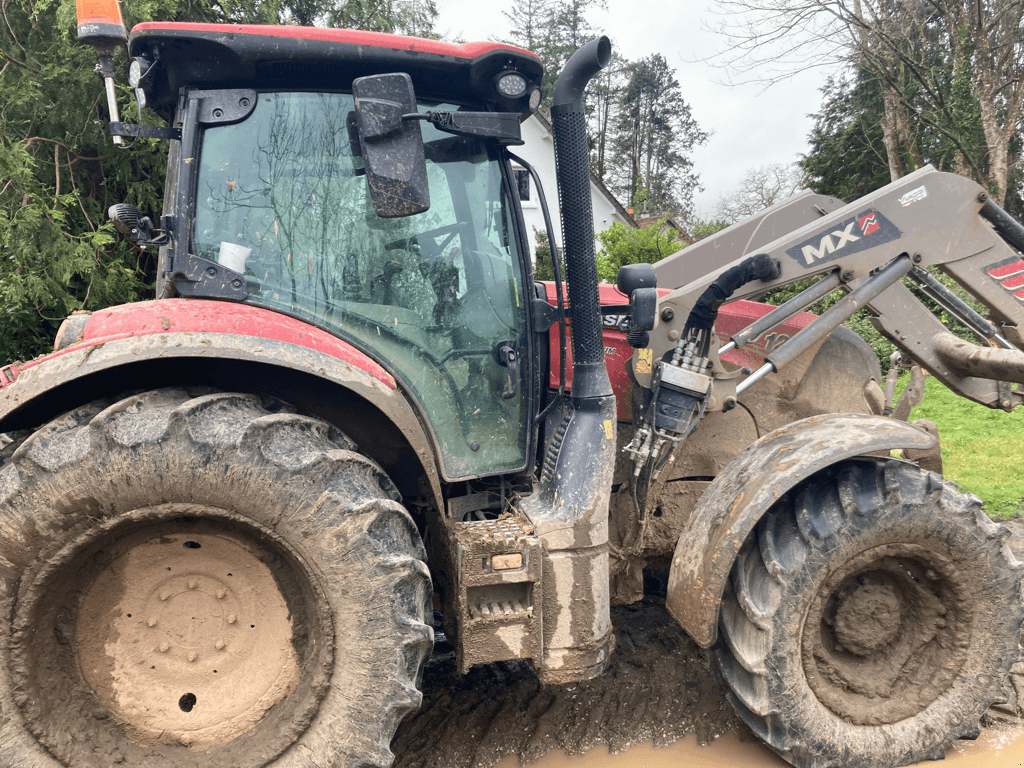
(220, 594)
(220, 645)
(192, 583)
(193, 656)
(151, 622)
(164, 647)
(232, 618)
(165, 595)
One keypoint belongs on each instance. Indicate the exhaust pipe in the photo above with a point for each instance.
(572, 168)
(569, 508)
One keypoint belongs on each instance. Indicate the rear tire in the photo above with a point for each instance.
(871, 618)
(204, 579)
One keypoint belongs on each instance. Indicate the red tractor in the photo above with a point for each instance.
(229, 515)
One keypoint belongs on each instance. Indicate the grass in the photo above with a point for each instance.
(982, 448)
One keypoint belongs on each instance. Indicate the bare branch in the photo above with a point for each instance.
(17, 63)
(927, 55)
(71, 154)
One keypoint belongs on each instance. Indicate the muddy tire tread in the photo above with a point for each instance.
(770, 566)
(349, 509)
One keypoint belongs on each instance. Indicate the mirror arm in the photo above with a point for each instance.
(500, 126)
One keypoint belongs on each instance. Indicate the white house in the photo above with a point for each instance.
(539, 151)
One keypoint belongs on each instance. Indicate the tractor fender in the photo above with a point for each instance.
(744, 491)
(154, 344)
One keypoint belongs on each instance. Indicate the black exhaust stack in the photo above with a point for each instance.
(570, 506)
(572, 166)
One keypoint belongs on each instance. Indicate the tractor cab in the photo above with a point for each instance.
(270, 204)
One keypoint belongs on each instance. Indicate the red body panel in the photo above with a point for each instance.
(732, 318)
(170, 316)
(346, 36)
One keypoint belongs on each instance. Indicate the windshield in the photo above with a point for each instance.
(282, 197)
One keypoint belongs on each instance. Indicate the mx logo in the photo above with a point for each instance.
(868, 223)
(859, 233)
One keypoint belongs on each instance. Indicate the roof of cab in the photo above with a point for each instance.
(349, 36)
(250, 55)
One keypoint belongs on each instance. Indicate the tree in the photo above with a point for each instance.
(554, 30)
(654, 134)
(952, 67)
(700, 229)
(847, 159)
(402, 17)
(544, 269)
(621, 245)
(568, 30)
(529, 23)
(640, 130)
(59, 171)
(603, 101)
(760, 188)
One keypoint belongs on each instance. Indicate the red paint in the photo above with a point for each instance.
(1007, 270)
(1013, 282)
(732, 318)
(173, 316)
(343, 36)
(868, 225)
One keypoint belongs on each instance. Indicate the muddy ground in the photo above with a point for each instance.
(660, 687)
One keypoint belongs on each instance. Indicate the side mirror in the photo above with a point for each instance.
(633, 276)
(639, 282)
(396, 168)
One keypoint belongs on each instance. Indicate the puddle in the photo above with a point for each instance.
(993, 749)
(659, 689)
(727, 752)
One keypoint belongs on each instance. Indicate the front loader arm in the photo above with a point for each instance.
(867, 249)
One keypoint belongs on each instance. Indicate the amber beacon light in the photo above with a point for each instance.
(99, 21)
(100, 25)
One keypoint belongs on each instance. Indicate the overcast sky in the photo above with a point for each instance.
(749, 126)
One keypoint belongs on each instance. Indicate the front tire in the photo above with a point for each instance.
(871, 618)
(204, 579)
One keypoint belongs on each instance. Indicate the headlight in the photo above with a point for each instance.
(138, 70)
(511, 85)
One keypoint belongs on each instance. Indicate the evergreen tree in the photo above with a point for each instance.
(59, 171)
(654, 134)
(848, 158)
(604, 100)
(552, 29)
(529, 23)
